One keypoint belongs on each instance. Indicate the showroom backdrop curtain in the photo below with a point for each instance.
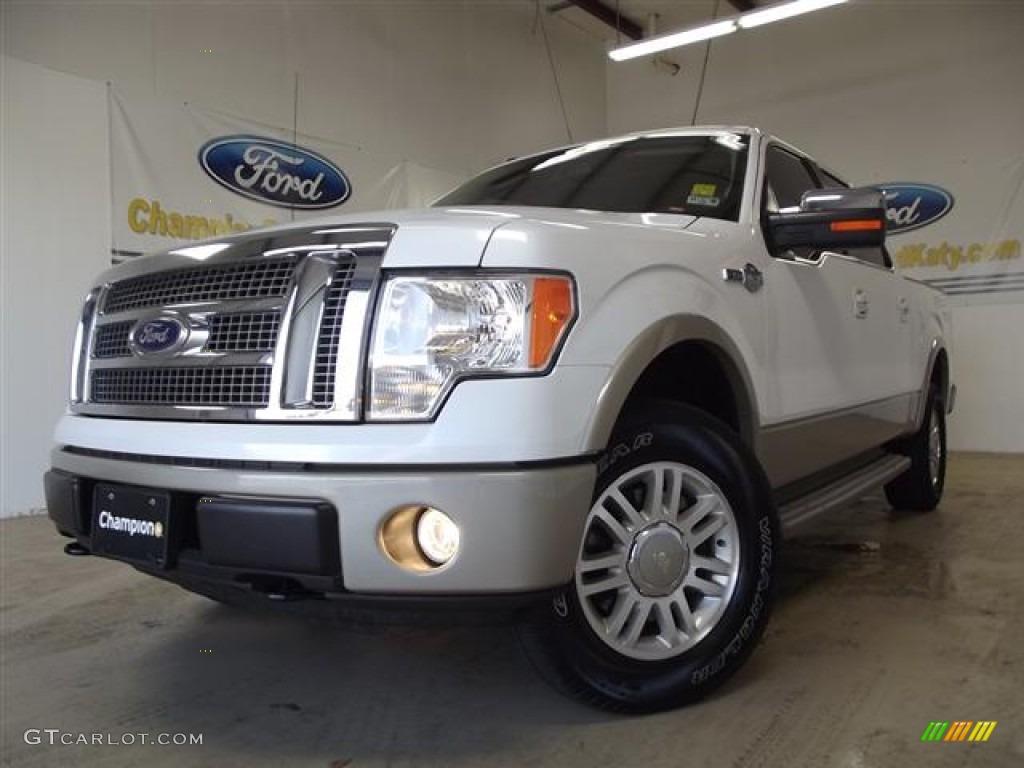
(973, 251)
(166, 190)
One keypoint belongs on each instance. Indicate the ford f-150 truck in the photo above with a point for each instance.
(592, 385)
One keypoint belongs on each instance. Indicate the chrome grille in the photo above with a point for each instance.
(237, 386)
(112, 340)
(238, 332)
(275, 326)
(243, 332)
(330, 337)
(257, 278)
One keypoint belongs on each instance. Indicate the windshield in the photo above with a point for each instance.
(696, 175)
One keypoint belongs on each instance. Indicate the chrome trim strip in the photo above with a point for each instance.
(197, 311)
(354, 344)
(90, 340)
(85, 334)
(304, 318)
(193, 359)
(861, 262)
(169, 412)
(821, 258)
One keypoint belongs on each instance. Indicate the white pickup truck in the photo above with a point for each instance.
(590, 386)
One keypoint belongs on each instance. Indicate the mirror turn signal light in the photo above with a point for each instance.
(857, 225)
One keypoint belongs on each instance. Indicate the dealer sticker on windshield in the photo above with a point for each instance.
(703, 194)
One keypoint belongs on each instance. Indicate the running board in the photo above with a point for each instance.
(842, 492)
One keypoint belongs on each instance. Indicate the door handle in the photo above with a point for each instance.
(904, 308)
(860, 303)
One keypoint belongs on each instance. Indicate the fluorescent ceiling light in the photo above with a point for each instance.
(783, 11)
(676, 39)
(585, 149)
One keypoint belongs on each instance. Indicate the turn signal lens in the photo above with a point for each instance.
(551, 312)
(859, 225)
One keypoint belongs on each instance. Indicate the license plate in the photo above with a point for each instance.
(130, 523)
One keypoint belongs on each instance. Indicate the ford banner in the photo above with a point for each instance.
(912, 206)
(275, 172)
(950, 252)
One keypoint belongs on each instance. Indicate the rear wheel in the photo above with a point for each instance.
(674, 573)
(920, 487)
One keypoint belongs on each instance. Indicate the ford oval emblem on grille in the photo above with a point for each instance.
(912, 206)
(274, 172)
(158, 336)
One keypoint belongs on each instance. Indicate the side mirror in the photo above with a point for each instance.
(831, 219)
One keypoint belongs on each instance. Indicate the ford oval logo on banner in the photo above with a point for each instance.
(912, 206)
(274, 172)
(153, 337)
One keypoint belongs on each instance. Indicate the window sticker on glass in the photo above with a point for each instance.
(703, 194)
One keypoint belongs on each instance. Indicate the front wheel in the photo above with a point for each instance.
(674, 572)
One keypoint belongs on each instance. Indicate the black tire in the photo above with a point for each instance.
(561, 642)
(919, 488)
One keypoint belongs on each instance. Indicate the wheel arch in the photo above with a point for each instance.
(685, 358)
(937, 375)
(940, 373)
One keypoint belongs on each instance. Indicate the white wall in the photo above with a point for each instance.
(988, 363)
(55, 223)
(884, 91)
(449, 86)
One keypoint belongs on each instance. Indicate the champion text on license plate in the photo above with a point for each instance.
(130, 523)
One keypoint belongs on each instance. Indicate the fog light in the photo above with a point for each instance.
(437, 536)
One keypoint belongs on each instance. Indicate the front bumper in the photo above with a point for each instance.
(318, 528)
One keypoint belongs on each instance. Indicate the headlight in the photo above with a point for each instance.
(431, 332)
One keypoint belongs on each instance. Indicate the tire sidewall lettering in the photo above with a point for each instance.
(765, 537)
(560, 604)
(621, 450)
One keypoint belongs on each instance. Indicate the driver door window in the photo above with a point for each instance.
(788, 178)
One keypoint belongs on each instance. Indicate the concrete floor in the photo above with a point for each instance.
(867, 646)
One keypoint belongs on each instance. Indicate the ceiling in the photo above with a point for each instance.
(671, 14)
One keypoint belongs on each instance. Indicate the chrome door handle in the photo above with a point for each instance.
(860, 303)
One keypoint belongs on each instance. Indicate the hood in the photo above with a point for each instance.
(423, 238)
